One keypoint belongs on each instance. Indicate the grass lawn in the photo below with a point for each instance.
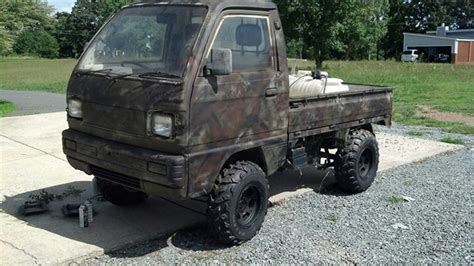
(35, 74)
(445, 87)
(6, 107)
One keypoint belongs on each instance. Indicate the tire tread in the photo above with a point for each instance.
(219, 209)
(346, 160)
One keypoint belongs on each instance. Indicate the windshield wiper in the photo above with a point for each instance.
(158, 75)
(154, 74)
(94, 71)
(120, 76)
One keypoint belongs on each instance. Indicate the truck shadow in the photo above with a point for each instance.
(319, 181)
(178, 224)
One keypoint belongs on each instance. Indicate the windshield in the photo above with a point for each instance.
(146, 39)
(409, 52)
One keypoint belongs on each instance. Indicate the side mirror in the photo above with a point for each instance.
(220, 63)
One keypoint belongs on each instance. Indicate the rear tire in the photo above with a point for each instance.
(238, 203)
(357, 162)
(120, 195)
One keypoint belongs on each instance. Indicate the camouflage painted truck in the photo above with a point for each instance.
(191, 99)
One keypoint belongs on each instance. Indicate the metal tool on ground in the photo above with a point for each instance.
(90, 211)
(83, 220)
(33, 207)
(71, 210)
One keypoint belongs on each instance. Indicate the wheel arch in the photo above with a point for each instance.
(204, 168)
(254, 155)
(368, 127)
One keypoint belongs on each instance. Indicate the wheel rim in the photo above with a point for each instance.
(248, 206)
(365, 163)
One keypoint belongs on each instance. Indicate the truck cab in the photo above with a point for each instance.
(191, 99)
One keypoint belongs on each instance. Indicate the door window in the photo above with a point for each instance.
(248, 37)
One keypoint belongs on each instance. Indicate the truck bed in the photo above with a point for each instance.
(362, 104)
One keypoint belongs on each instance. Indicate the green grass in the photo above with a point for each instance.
(415, 133)
(330, 218)
(445, 87)
(395, 199)
(452, 141)
(6, 107)
(35, 74)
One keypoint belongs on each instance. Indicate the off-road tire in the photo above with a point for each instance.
(120, 195)
(357, 161)
(228, 199)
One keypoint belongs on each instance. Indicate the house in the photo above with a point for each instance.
(457, 44)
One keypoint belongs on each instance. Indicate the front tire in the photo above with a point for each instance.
(120, 195)
(238, 203)
(357, 162)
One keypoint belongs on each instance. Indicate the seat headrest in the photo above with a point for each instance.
(248, 35)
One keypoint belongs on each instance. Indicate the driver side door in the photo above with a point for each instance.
(248, 104)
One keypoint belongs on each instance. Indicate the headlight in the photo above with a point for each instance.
(162, 125)
(74, 108)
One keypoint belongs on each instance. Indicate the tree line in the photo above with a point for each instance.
(315, 29)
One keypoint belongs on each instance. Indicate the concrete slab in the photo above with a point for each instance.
(12, 151)
(51, 238)
(397, 150)
(41, 131)
(31, 161)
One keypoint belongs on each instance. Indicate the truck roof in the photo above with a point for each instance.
(213, 4)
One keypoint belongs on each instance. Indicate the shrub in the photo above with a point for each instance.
(5, 42)
(38, 43)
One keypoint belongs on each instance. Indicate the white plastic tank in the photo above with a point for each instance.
(303, 85)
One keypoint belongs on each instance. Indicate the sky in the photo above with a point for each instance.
(62, 5)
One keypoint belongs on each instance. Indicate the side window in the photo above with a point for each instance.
(249, 40)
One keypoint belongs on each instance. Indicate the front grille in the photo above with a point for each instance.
(114, 118)
(115, 177)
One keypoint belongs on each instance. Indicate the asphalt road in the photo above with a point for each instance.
(34, 102)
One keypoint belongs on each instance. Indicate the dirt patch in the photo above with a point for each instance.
(430, 112)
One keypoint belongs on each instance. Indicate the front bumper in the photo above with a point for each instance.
(141, 169)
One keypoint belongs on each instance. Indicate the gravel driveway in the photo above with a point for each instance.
(429, 133)
(421, 213)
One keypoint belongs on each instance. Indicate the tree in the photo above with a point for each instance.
(463, 13)
(294, 48)
(377, 26)
(66, 44)
(334, 29)
(313, 21)
(18, 16)
(422, 16)
(5, 42)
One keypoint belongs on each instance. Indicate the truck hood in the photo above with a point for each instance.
(117, 109)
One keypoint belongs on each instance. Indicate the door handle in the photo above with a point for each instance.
(270, 92)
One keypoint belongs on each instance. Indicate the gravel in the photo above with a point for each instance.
(429, 133)
(418, 213)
